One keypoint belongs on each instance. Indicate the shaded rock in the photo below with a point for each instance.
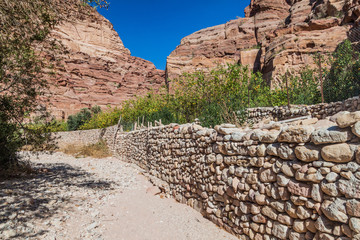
(354, 224)
(353, 208)
(350, 188)
(310, 225)
(324, 225)
(280, 231)
(335, 211)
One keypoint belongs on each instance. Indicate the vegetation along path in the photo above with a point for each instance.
(87, 198)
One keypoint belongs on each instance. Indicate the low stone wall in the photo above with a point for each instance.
(85, 137)
(320, 111)
(284, 182)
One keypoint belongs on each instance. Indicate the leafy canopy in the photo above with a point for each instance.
(25, 27)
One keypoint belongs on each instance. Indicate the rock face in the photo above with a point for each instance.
(273, 36)
(97, 69)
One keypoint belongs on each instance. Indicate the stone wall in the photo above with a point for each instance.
(320, 111)
(282, 182)
(86, 137)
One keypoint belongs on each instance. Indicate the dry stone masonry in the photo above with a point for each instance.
(320, 111)
(283, 181)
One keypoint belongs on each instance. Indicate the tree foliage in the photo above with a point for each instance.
(343, 79)
(25, 27)
(222, 95)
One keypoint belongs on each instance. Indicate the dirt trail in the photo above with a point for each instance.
(88, 198)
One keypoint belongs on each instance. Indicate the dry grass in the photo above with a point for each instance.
(97, 150)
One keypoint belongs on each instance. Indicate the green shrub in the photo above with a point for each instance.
(303, 89)
(149, 108)
(102, 119)
(343, 79)
(219, 96)
(58, 126)
(53, 126)
(75, 122)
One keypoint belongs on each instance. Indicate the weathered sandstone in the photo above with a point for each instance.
(96, 68)
(274, 36)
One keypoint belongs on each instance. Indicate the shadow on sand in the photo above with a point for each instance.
(40, 197)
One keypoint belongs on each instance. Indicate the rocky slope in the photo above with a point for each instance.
(273, 36)
(97, 69)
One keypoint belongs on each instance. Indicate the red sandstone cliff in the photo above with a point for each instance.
(97, 69)
(274, 35)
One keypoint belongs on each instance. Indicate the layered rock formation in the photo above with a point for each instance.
(97, 69)
(273, 36)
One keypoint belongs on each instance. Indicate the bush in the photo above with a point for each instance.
(53, 126)
(24, 41)
(221, 95)
(102, 119)
(343, 79)
(148, 108)
(303, 89)
(75, 122)
(58, 126)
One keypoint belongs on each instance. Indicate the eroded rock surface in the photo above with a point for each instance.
(97, 69)
(273, 36)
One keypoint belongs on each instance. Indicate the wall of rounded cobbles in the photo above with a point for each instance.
(320, 111)
(85, 137)
(280, 182)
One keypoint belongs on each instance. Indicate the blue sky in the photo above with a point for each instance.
(153, 29)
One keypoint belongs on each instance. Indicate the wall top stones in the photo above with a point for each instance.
(320, 111)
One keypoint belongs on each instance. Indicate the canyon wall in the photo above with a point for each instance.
(273, 36)
(96, 68)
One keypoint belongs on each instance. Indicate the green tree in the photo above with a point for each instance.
(219, 96)
(25, 26)
(343, 79)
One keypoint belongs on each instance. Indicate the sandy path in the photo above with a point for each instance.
(94, 199)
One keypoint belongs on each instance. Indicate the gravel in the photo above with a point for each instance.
(87, 198)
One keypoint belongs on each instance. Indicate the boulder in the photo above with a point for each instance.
(348, 119)
(307, 153)
(296, 134)
(339, 153)
(330, 135)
